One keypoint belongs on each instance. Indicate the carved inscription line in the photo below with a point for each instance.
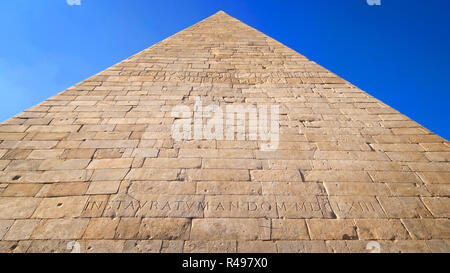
(317, 205)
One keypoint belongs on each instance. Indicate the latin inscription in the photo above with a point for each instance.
(301, 207)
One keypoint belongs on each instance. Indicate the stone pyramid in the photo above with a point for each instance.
(96, 168)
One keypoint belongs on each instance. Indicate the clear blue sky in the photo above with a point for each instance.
(398, 52)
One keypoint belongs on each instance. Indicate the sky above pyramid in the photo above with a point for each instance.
(394, 51)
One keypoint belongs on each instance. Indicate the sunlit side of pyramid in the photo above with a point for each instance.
(97, 165)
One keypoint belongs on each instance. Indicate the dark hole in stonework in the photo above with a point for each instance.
(346, 237)
(13, 247)
(16, 177)
(333, 215)
(59, 204)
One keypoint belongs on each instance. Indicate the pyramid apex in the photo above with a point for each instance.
(221, 12)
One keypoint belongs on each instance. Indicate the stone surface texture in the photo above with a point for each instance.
(96, 163)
